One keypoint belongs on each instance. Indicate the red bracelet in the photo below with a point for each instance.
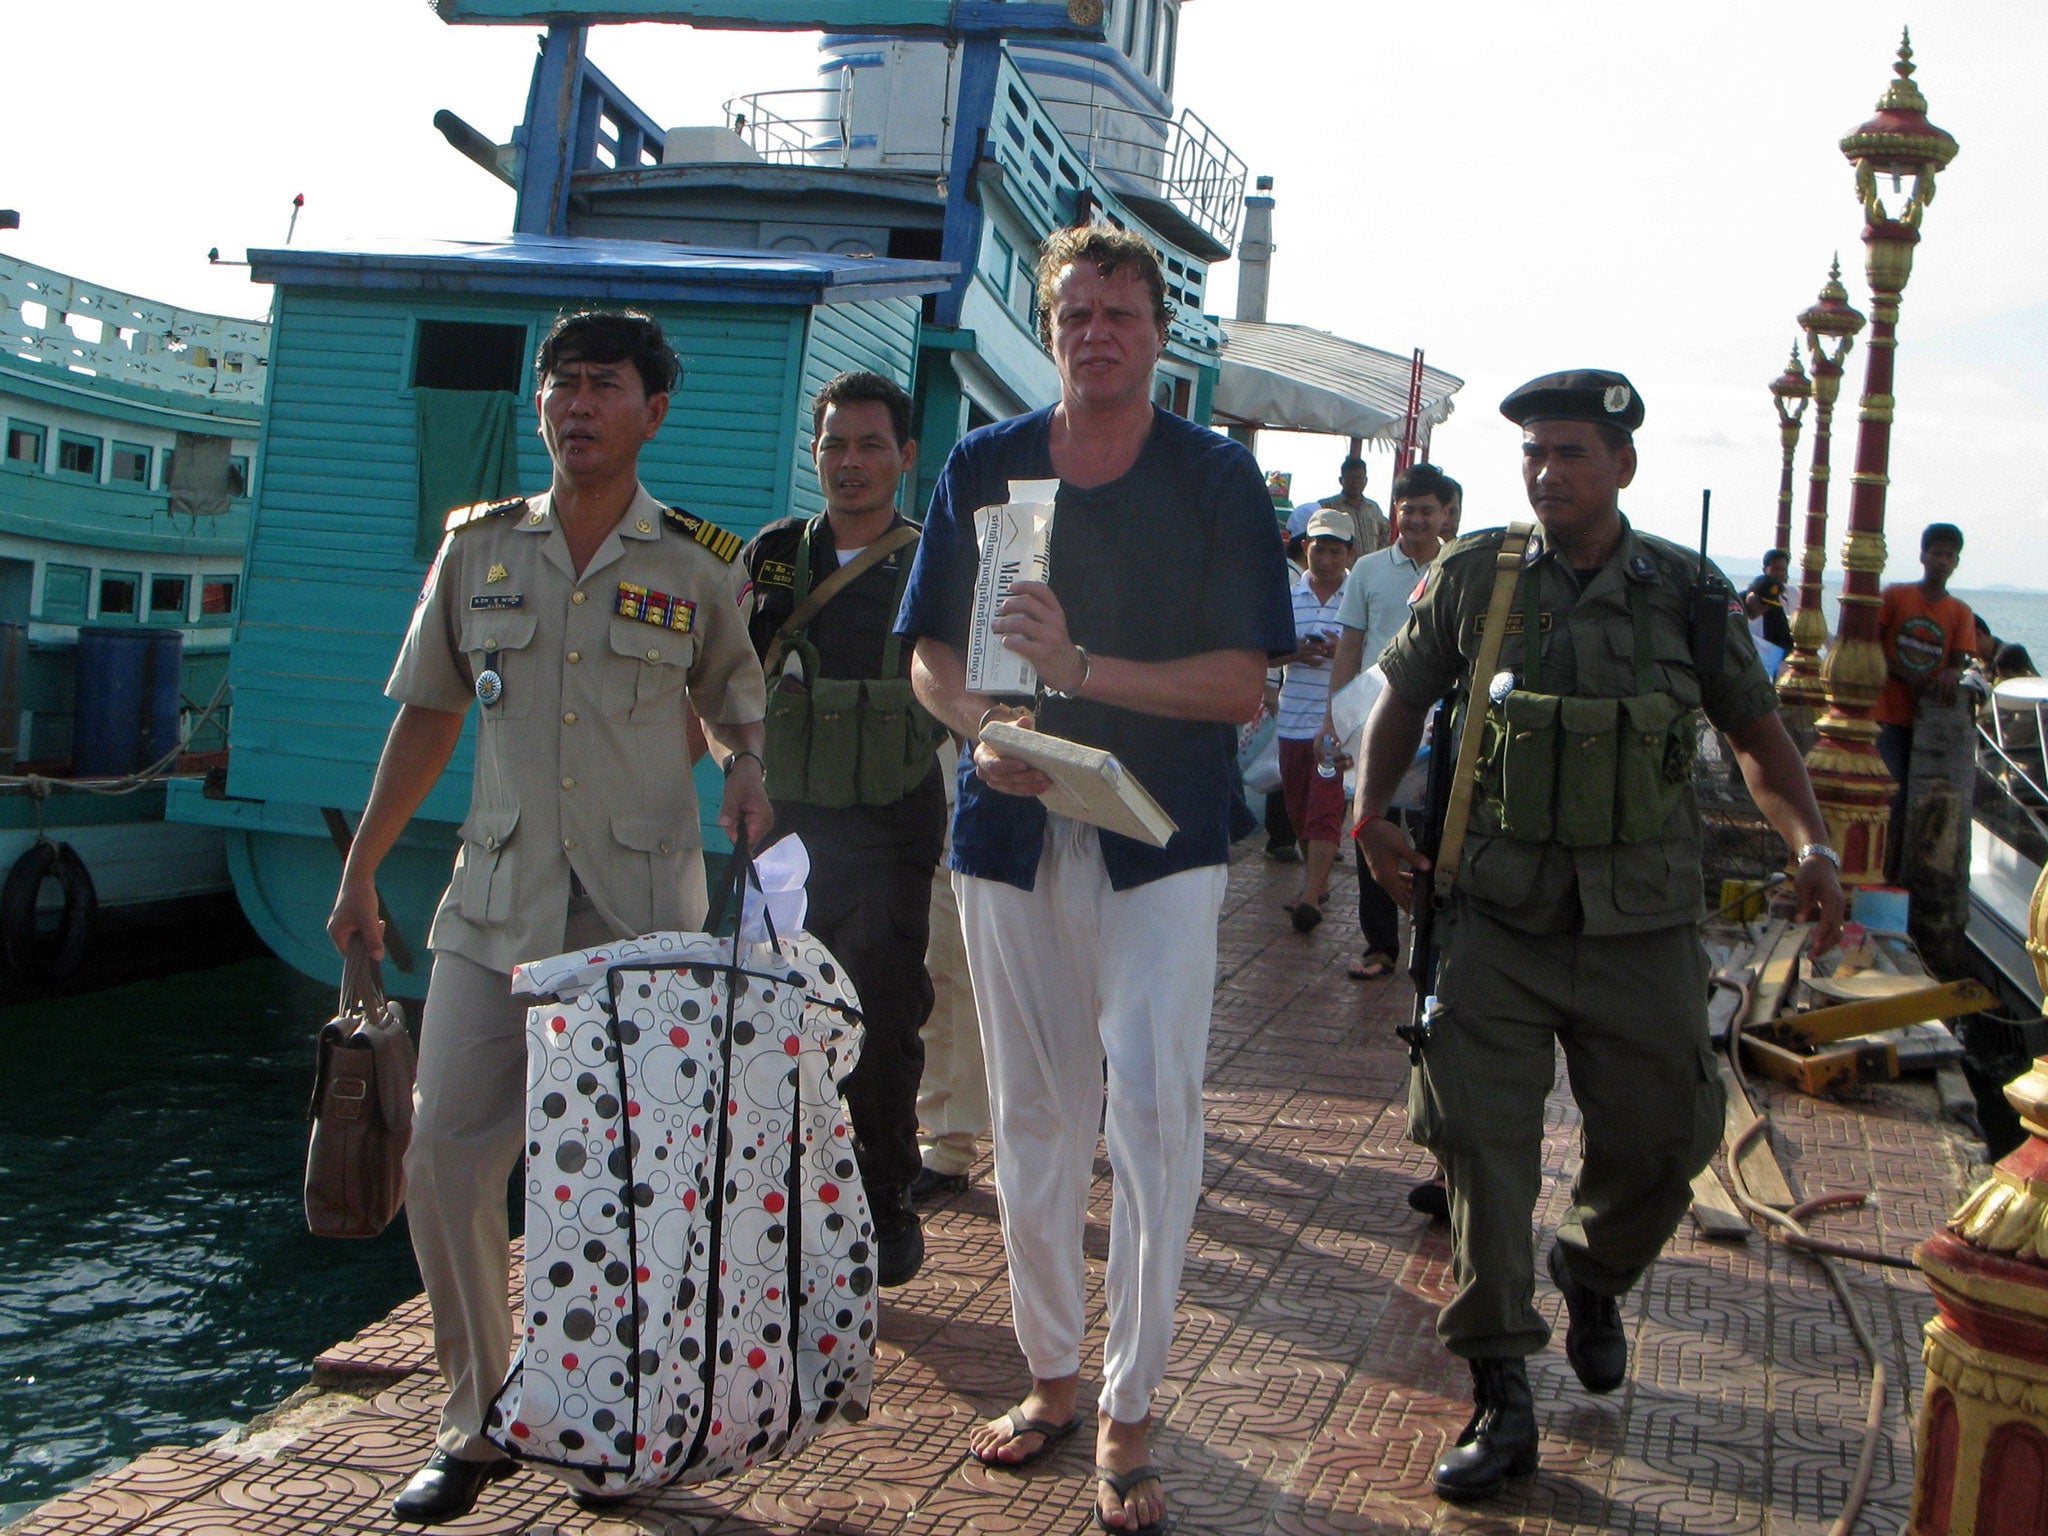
(1364, 822)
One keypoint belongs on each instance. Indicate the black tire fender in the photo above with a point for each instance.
(31, 952)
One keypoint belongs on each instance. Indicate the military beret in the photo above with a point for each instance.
(1580, 394)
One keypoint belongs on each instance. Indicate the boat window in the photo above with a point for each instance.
(24, 444)
(65, 590)
(168, 597)
(163, 468)
(216, 596)
(1002, 261)
(130, 461)
(1171, 21)
(78, 455)
(461, 354)
(238, 475)
(118, 592)
(1152, 36)
(1131, 9)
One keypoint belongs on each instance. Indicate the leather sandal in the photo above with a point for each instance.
(1372, 966)
(1121, 1484)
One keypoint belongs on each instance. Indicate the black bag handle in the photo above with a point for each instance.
(738, 874)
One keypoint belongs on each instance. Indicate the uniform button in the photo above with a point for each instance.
(645, 526)
(568, 783)
(662, 847)
(568, 844)
(569, 717)
(578, 597)
(654, 653)
(574, 657)
(490, 845)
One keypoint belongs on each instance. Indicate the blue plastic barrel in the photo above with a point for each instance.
(127, 700)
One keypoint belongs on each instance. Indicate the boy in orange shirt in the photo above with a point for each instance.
(1926, 633)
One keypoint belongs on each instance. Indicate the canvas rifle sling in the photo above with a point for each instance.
(1507, 570)
(808, 603)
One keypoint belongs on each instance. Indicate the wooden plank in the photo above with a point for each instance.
(1714, 1210)
(1825, 1070)
(1775, 976)
(1870, 1015)
(1758, 1164)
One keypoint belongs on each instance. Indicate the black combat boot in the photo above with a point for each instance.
(1594, 1342)
(1500, 1442)
(899, 1236)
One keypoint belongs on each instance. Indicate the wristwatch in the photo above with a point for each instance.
(1819, 851)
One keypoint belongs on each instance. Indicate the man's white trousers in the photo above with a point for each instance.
(1069, 976)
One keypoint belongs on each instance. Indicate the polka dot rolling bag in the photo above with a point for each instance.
(699, 1254)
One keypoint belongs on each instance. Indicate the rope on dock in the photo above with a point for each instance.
(1823, 1253)
(40, 786)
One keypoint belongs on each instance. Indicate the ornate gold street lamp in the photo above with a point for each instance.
(1829, 321)
(1789, 393)
(1848, 776)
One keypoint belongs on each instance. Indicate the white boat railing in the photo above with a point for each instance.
(1181, 160)
(782, 139)
(47, 316)
(2011, 734)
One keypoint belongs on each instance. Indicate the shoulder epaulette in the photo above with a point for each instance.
(463, 517)
(722, 542)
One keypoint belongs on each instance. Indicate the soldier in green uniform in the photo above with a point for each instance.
(1574, 916)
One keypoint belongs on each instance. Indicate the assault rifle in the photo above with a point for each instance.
(1707, 611)
(1443, 769)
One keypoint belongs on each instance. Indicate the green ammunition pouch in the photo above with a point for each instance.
(839, 741)
(1586, 772)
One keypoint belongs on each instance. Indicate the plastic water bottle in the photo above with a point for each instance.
(1326, 755)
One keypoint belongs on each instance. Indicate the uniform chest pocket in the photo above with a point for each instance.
(510, 636)
(649, 666)
(1518, 770)
(1585, 771)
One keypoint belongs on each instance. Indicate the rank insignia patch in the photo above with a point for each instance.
(496, 600)
(494, 575)
(722, 542)
(1514, 623)
(1642, 567)
(656, 608)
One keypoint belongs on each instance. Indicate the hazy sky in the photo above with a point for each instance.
(1515, 187)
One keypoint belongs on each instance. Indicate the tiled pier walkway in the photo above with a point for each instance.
(1307, 1395)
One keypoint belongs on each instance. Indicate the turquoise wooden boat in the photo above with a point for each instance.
(100, 393)
(884, 216)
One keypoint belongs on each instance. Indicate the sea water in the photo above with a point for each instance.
(157, 1282)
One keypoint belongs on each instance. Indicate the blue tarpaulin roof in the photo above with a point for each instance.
(649, 271)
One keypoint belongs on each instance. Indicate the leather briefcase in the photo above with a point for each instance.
(361, 1110)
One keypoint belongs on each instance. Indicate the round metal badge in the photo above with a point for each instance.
(489, 687)
(1502, 685)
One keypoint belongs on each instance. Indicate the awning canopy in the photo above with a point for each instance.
(1304, 380)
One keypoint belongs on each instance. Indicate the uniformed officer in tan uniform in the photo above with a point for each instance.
(586, 624)
(1574, 917)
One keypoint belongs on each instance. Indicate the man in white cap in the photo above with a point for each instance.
(1298, 691)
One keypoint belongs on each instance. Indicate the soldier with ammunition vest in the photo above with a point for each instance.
(1570, 913)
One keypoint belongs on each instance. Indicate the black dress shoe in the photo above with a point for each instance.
(899, 1237)
(1594, 1342)
(446, 1489)
(930, 1184)
(1500, 1441)
(1432, 1198)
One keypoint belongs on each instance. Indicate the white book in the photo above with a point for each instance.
(1015, 540)
(1088, 784)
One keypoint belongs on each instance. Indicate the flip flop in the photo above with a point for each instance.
(1371, 968)
(1121, 1484)
(1054, 1435)
(1306, 915)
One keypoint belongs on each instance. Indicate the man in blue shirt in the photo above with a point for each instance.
(1167, 596)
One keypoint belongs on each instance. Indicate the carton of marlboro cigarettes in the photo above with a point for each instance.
(1016, 544)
